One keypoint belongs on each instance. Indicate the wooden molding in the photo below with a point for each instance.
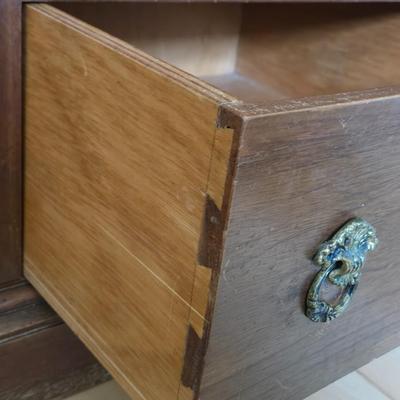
(46, 364)
(10, 141)
(43, 359)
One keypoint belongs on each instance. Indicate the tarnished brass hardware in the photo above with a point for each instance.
(340, 259)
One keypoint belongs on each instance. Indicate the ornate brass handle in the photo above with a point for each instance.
(340, 259)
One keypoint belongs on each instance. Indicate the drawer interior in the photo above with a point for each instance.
(259, 52)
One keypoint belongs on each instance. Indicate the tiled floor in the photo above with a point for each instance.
(379, 380)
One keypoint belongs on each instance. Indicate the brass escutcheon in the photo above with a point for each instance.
(340, 259)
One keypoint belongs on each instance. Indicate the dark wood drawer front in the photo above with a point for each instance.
(301, 175)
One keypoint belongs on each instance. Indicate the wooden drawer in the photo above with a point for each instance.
(182, 170)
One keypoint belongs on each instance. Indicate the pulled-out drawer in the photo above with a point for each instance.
(183, 169)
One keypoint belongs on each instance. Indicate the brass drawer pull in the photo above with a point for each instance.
(341, 259)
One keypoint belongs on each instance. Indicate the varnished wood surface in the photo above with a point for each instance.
(10, 141)
(10, 79)
(41, 358)
(302, 50)
(300, 175)
(244, 88)
(35, 316)
(118, 152)
(377, 380)
(47, 364)
(18, 296)
(23, 311)
(198, 38)
(258, 52)
(110, 191)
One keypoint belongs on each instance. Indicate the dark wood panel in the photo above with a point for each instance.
(299, 50)
(19, 323)
(40, 356)
(47, 364)
(23, 310)
(64, 386)
(18, 296)
(300, 175)
(10, 140)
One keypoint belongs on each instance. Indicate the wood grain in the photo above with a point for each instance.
(23, 311)
(300, 175)
(18, 296)
(285, 50)
(244, 87)
(313, 49)
(118, 150)
(34, 317)
(129, 171)
(41, 358)
(376, 380)
(10, 141)
(47, 364)
(200, 39)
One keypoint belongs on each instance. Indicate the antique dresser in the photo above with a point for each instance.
(211, 194)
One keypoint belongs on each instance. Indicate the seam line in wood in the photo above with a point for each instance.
(192, 359)
(150, 271)
(212, 155)
(69, 318)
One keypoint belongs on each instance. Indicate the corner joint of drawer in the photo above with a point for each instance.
(192, 363)
(208, 251)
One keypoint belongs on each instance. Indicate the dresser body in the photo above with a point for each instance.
(183, 165)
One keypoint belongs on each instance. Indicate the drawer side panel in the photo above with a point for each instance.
(117, 158)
